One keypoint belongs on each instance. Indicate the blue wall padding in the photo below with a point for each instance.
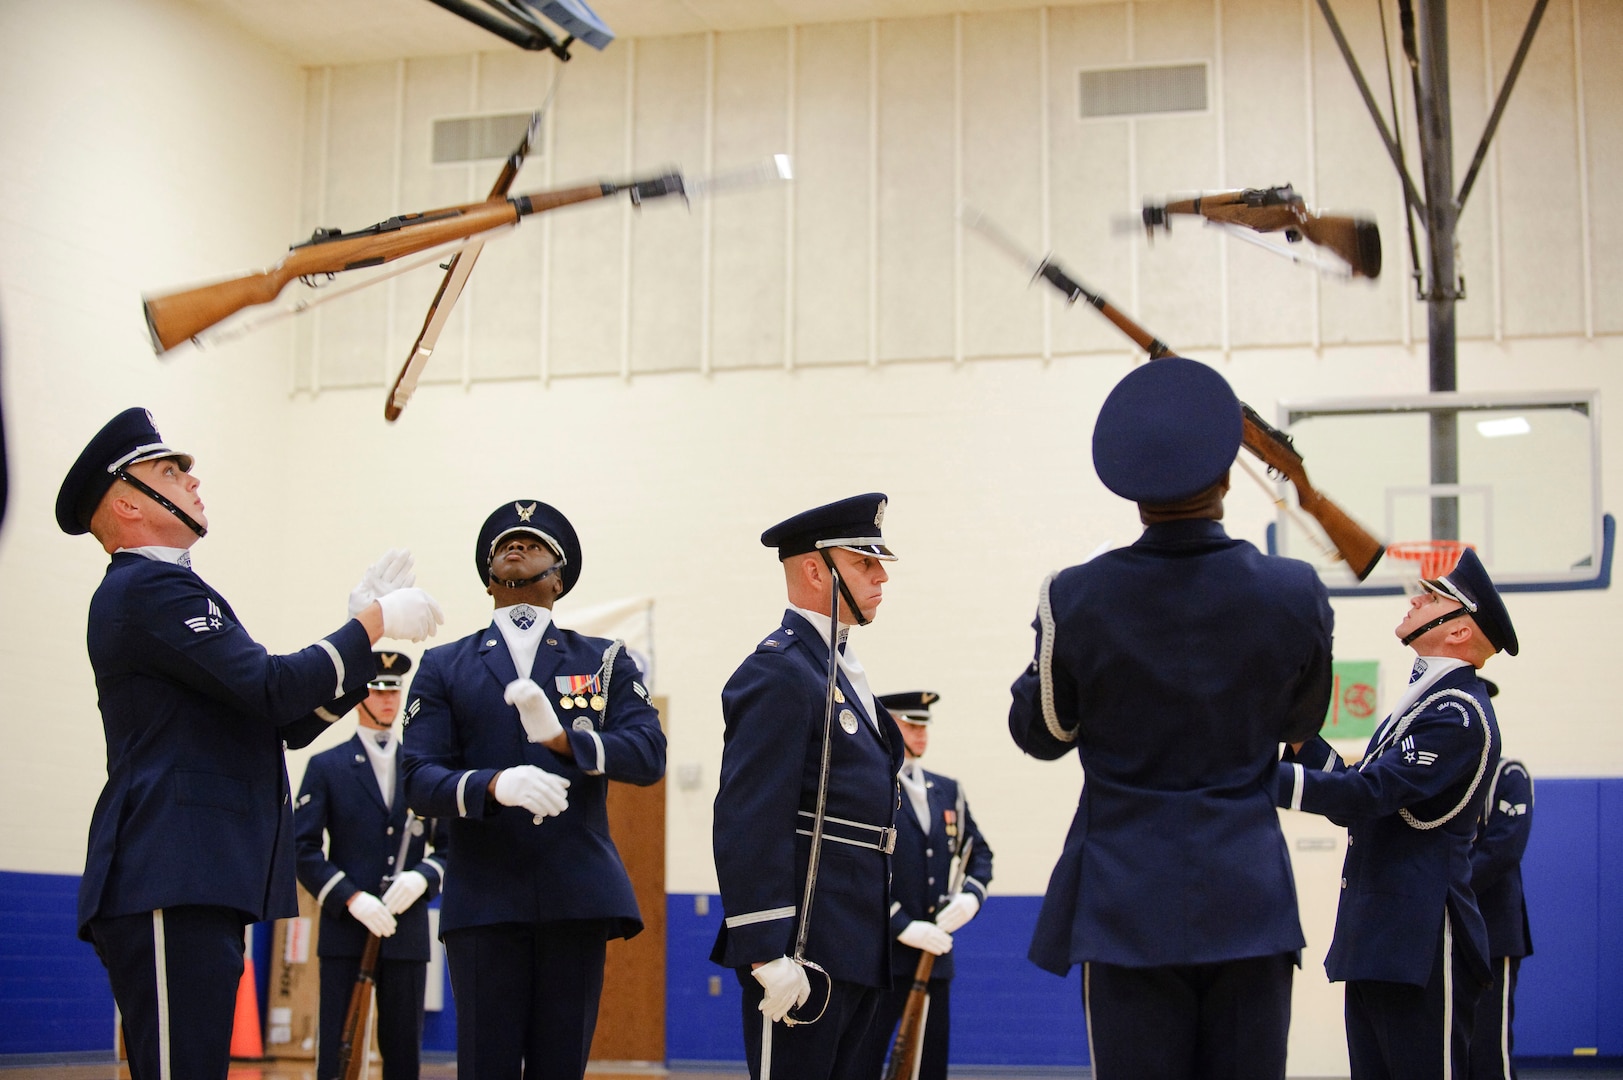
(1005, 1011)
(1609, 930)
(53, 990)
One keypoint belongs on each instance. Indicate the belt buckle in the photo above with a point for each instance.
(887, 841)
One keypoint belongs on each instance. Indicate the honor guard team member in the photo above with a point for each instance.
(515, 733)
(1175, 667)
(773, 708)
(1410, 942)
(1496, 879)
(352, 794)
(932, 826)
(192, 837)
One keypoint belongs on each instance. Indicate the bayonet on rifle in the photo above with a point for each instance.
(1352, 542)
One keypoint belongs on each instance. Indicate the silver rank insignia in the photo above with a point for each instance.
(848, 721)
(581, 724)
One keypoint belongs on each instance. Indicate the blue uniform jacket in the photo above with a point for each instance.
(1178, 666)
(339, 797)
(921, 869)
(771, 757)
(197, 809)
(1411, 807)
(504, 867)
(1496, 860)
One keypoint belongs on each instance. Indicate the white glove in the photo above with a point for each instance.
(534, 710)
(785, 984)
(404, 891)
(410, 614)
(542, 793)
(393, 571)
(371, 913)
(959, 910)
(927, 936)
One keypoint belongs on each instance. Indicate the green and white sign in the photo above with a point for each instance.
(1354, 709)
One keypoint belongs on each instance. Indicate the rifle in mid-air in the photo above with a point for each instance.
(180, 316)
(1360, 550)
(1355, 241)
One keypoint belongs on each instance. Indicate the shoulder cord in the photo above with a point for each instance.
(608, 672)
(1045, 664)
(1481, 765)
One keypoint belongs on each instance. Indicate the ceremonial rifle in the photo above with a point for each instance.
(907, 1051)
(180, 316)
(352, 1049)
(456, 276)
(1352, 542)
(1356, 241)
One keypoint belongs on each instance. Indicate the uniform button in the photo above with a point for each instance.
(391, 860)
(1349, 841)
(1343, 883)
(929, 853)
(389, 831)
(932, 881)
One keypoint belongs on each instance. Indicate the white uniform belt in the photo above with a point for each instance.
(880, 838)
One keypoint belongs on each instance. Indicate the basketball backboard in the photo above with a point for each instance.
(1514, 475)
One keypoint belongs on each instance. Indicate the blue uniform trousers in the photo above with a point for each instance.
(174, 975)
(1397, 1031)
(937, 1028)
(1492, 1040)
(400, 986)
(830, 1049)
(1222, 1021)
(526, 997)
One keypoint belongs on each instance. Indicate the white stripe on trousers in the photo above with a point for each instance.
(1448, 996)
(160, 964)
(766, 1047)
(1504, 1021)
(1087, 1015)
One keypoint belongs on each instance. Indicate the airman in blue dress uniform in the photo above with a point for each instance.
(771, 768)
(1496, 879)
(351, 795)
(192, 837)
(1174, 668)
(514, 734)
(1410, 942)
(933, 825)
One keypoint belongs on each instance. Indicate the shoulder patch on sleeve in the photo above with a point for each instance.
(212, 619)
(411, 710)
(641, 691)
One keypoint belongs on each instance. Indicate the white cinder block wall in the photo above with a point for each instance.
(677, 380)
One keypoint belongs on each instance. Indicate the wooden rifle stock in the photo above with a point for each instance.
(180, 316)
(352, 1051)
(1353, 543)
(908, 1048)
(1356, 241)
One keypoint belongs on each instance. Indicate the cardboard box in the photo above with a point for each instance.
(292, 1013)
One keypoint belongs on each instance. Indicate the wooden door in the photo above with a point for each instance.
(631, 1018)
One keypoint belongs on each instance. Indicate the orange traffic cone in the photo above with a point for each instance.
(246, 1040)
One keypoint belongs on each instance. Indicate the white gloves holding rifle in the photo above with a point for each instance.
(404, 891)
(959, 910)
(372, 914)
(927, 936)
(785, 984)
(542, 793)
(534, 710)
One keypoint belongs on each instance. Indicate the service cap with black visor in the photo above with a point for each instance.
(1469, 586)
(129, 438)
(531, 518)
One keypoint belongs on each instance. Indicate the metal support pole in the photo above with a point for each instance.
(1437, 165)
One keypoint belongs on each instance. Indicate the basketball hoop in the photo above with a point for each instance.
(1436, 557)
